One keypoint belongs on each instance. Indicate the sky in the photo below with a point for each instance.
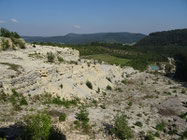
(60, 17)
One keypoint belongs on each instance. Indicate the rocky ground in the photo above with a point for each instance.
(149, 99)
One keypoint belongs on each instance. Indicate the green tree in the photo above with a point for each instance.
(121, 128)
(38, 127)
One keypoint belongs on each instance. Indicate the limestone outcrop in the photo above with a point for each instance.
(38, 76)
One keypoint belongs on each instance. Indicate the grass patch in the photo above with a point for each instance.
(108, 58)
(48, 99)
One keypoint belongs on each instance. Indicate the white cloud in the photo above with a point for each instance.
(2, 21)
(14, 20)
(77, 26)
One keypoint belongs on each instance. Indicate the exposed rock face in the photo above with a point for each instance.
(39, 76)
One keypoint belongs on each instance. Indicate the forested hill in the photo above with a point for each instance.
(177, 37)
(121, 37)
(169, 44)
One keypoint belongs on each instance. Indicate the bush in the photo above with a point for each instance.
(83, 120)
(183, 115)
(15, 93)
(149, 136)
(3, 96)
(23, 101)
(89, 84)
(65, 103)
(50, 57)
(37, 127)
(183, 91)
(124, 81)
(7, 33)
(157, 135)
(161, 126)
(184, 134)
(60, 59)
(139, 115)
(109, 87)
(121, 128)
(61, 86)
(138, 123)
(62, 117)
(5, 44)
(130, 103)
(83, 115)
(21, 44)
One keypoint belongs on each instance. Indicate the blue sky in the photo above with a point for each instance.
(59, 17)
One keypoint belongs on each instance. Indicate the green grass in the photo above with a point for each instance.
(108, 58)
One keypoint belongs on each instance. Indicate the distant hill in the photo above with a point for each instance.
(169, 44)
(175, 37)
(121, 37)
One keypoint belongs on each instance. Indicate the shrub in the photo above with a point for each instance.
(77, 123)
(121, 128)
(119, 89)
(23, 101)
(103, 106)
(60, 59)
(3, 96)
(12, 100)
(89, 84)
(183, 115)
(139, 115)
(161, 126)
(124, 81)
(183, 91)
(149, 136)
(83, 119)
(83, 115)
(15, 93)
(65, 103)
(98, 90)
(61, 86)
(157, 135)
(138, 123)
(109, 87)
(5, 44)
(21, 44)
(184, 134)
(37, 127)
(13, 47)
(62, 117)
(50, 57)
(130, 103)
(7, 33)
(56, 134)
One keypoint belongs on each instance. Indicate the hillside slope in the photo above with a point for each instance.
(122, 37)
(178, 37)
